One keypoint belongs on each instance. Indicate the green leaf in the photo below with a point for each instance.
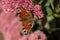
(57, 9)
(39, 28)
(50, 18)
(52, 4)
(47, 3)
(49, 11)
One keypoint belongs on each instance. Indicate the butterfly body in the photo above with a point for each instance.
(26, 18)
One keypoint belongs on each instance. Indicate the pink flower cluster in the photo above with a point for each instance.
(38, 12)
(10, 6)
(10, 26)
(37, 35)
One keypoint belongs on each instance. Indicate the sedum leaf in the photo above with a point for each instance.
(49, 11)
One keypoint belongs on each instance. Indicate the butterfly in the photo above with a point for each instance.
(26, 18)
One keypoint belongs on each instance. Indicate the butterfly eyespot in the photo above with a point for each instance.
(18, 10)
(24, 31)
(18, 7)
(17, 14)
(30, 24)
(23, 28)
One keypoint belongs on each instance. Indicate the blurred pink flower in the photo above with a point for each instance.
(10, 26)
(37, 35)
(25, 37)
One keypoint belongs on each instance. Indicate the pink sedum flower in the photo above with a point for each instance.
(38, 12)
(37, 35)
(10, 26)
(37, 8)
(25, 37)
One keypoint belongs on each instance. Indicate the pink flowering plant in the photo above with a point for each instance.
(11, 26)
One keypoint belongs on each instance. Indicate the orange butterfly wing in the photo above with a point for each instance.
(26, 26)
(24, 14)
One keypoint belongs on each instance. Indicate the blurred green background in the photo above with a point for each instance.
(51, 21)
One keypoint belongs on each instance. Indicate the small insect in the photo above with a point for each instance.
(26, 19)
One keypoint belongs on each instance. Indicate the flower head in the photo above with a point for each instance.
(9, 23)
(37, 35)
